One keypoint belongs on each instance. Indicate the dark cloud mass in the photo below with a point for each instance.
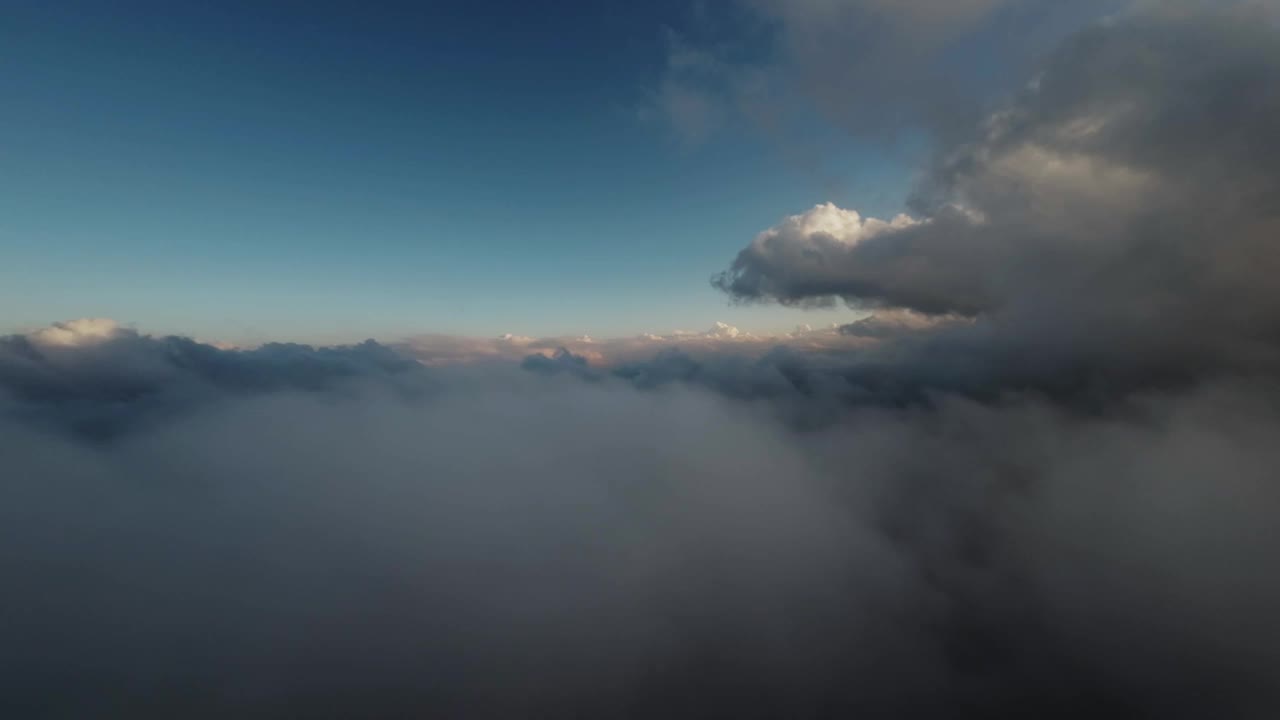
(876, 68)
(666, 541)
(1045, 486)
(561, 361)
(710, 537)
(98, 379)
(1119, 217)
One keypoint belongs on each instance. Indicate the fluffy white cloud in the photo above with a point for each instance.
(825, 222)
(75, 333)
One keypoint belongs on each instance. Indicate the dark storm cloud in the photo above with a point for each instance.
(1118, 217)
(868, 67)
(878, 65)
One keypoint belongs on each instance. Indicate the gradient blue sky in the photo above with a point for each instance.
(323, 171)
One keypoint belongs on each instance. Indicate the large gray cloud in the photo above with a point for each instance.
(1119, 214)
(878, 67)
(98, 379)
(879, 64)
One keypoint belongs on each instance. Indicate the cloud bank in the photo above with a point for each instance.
(720, 338)
(1117, 219)
(742, 537)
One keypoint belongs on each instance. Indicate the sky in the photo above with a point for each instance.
(328, 170)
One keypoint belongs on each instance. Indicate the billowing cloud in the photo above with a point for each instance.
(1118, 216)
(796, 261)
(84, 331)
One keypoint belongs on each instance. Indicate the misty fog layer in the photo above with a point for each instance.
(508, 542)
(503, 548)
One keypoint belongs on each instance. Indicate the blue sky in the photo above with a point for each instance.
(327, 171)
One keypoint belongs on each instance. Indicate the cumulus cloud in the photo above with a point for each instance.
(1118, 216)
(84, 331)
(792, 261)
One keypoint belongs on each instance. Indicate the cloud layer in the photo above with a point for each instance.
(742, 537)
